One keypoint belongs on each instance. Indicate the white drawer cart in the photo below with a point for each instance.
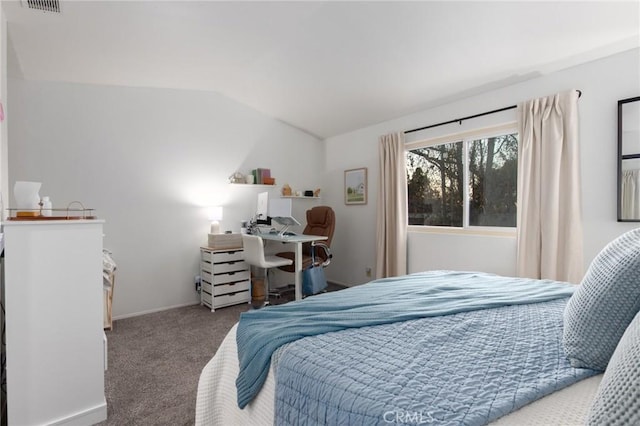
(225, 278)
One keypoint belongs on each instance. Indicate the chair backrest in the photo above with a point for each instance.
(321, 220)
(253, 250)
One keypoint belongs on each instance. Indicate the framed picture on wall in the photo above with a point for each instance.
(355, 186)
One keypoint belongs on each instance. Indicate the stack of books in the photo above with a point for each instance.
(259, 176)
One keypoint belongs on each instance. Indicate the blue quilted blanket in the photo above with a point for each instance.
(384, 301)
(464, 369)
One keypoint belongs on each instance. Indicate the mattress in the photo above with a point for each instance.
(217, 404)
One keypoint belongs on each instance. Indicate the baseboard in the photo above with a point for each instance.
(151, 311)
(341, 284)
(90, 416)
(166, 308)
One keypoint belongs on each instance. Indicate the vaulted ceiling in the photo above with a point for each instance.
(324, 67)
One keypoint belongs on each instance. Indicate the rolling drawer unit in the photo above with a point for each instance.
(225, 278)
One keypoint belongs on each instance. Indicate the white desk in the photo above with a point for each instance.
(297, 239)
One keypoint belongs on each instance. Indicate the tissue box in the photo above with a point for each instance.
(225, 241)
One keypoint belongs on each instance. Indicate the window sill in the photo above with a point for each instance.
(478, 231)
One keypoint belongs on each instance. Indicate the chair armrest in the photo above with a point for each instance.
(327, 253)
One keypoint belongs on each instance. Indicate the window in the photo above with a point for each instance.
(439, 171)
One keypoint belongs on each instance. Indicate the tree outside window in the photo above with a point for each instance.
(493, 174)
(436, 177)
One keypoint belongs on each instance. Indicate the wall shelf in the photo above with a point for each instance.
(299, 196)
(252, 184)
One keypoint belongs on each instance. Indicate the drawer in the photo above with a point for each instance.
(205, 298)
(227, 256)
(206, 255)
(238, 265)
(206, 287)
(205, 266)
(206, 276)
(232, 299)
(212, 256)
(219, 290)
(230, 277)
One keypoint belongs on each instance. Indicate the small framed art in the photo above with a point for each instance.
(355, 186)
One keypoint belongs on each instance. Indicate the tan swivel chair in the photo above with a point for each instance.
(321, 220)
(253, 253)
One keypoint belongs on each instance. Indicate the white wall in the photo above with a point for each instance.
(4, 170)
(3, 133)
(602, 82)
(150, 161)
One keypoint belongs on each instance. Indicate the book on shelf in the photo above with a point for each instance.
(264, 173)
(259, 174)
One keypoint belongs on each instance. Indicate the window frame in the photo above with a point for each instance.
(466, 137)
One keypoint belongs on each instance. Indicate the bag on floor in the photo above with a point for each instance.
(313, 280)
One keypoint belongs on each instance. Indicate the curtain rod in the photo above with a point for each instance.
(460, 120)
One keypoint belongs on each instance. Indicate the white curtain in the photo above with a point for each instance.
(549, 200)
(630, 194)
(391, 235)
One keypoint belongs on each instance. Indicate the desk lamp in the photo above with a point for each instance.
(215, 215)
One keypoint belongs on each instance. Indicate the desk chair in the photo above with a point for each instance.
(321, 220)
(254, 255)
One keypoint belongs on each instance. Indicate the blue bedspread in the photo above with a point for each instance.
(465, 369)
(384, 301)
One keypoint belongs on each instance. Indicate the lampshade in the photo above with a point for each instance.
(215, 214)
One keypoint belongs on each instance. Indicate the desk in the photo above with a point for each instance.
(297, 239)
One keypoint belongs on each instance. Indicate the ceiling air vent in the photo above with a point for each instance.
(43, 5)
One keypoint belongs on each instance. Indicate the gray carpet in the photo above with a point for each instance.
(155, 362)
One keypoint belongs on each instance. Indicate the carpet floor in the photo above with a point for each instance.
(155, 361)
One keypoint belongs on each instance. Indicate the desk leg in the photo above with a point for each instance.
(298, 271)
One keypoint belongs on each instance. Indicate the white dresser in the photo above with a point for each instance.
(54, 337)
(225, 278)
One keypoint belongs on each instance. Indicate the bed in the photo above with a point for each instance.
(439, 347)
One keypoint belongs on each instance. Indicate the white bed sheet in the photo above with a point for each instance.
(216, 399)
